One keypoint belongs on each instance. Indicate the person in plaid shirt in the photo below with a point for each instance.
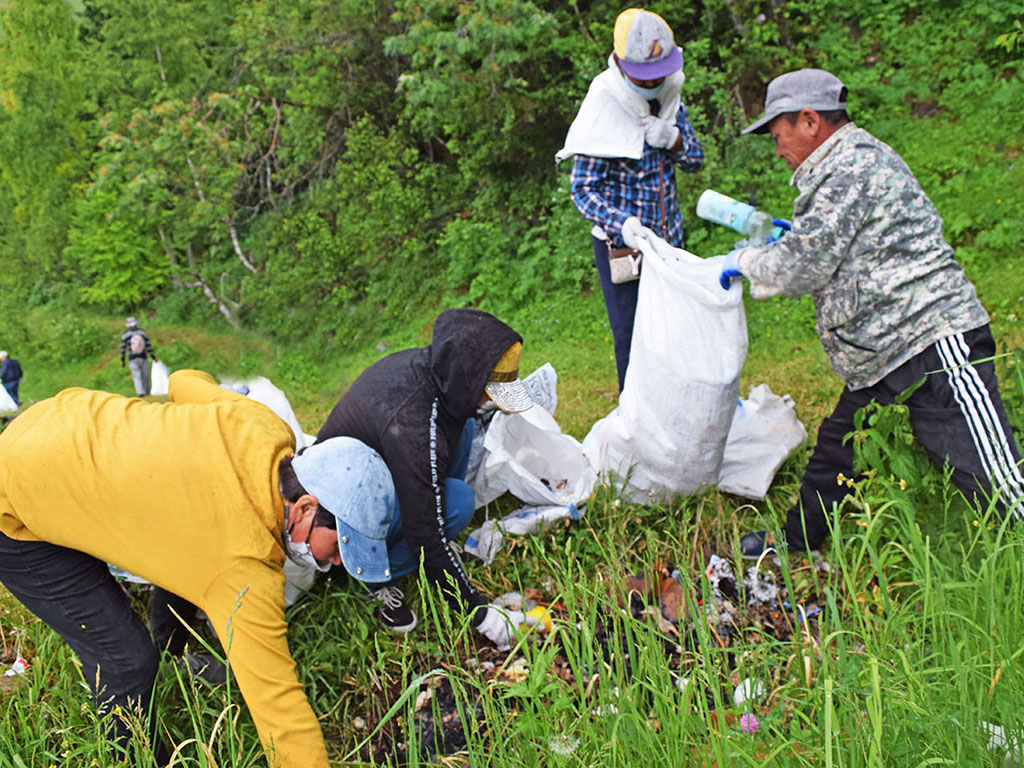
(629, 135)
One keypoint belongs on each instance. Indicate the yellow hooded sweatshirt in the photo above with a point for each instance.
(184, 494)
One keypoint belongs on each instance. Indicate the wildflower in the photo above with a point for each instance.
(840, 478)
(903, 484)
(975, 523)
(749, 724)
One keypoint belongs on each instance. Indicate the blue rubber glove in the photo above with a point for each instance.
(730, 269)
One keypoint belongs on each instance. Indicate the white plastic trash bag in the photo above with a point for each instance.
(262, 390)
(668, 433)
(765, 430)
(528, 455)
(6, 401)
(158, 378)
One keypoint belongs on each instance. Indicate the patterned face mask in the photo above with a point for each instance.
(299, 552)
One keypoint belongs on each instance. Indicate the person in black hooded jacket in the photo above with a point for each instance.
(415, 408)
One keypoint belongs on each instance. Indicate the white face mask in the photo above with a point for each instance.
(299, 552)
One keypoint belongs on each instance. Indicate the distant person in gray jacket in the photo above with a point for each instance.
(10, 376)
(893, 306)
(135, 342)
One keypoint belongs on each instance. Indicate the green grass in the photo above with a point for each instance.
(918, 643)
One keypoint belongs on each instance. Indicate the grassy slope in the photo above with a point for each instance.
(923, 642)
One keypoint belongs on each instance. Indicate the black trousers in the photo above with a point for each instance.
(77, 597)
(957, 416)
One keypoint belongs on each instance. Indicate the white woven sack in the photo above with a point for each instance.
(669, 430)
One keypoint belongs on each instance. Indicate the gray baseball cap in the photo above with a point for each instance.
(803, 89)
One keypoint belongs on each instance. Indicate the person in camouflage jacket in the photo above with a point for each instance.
(892, 305)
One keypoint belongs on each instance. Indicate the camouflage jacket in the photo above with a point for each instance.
(867, 244)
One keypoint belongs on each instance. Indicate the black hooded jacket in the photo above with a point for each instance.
(411, 407)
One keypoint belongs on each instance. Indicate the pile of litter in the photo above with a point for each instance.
(718, 605)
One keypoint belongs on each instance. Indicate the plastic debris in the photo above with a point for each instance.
(485, 542)
(762, 589)
(999, 742)
(747, 690)
(543, 617)
(749, 724)
(19, 667)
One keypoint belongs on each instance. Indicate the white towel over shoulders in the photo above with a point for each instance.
(612, 119)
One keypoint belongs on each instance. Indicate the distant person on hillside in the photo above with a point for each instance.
(135, 342)
(10, 376)
(411, 416)
(893, 306)
(631, 133)
(203, 498)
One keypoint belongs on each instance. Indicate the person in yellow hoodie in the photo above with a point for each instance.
(202, 497)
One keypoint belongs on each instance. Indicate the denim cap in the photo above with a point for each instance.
(352, 482)
(803, 89)
(644, 45)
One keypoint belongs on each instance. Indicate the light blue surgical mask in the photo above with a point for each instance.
(647, 93)
(299, 552)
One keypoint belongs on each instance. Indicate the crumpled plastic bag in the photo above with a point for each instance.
(159, 378)
(528, 455)
(764, 431)
(485, 542)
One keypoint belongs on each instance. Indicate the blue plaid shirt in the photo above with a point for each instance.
(608, 191)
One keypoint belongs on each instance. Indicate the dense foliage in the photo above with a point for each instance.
(311, 167)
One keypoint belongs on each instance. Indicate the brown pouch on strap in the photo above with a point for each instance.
(624, 264)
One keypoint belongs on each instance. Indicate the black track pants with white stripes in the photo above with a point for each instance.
(957, 415)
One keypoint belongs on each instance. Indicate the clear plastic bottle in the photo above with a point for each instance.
(741, 217)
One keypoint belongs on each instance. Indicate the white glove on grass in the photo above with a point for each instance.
(660, 134)
(499, 625)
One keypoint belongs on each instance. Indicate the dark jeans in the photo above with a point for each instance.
(76, 596)
(620, 301)
(12, 390)
(957, 415)
(169, 634)
(459, 505)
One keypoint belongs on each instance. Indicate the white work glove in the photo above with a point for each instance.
(661, 134)
(500, 624)
(632, 231)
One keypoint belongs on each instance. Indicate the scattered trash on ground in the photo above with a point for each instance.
(714, 605)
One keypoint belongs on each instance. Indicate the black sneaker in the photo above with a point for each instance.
(753, 545)
(205, 666)
(396, 615)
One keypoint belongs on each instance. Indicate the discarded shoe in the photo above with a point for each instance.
(753, 545)
(205, 666)
(393, 612)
